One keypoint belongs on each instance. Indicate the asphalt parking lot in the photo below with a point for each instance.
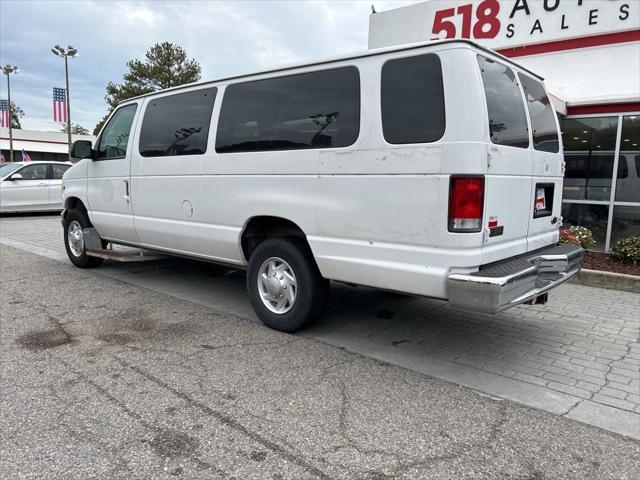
(159, 369)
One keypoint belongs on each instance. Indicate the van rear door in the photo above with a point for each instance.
(509, 164)
(546, 193)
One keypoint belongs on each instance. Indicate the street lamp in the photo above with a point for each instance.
(8, 70)
(69, 52)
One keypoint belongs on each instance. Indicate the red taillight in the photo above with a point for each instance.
(466, 200)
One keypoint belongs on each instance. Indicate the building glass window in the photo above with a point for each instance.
(593, 217)
(507, 117)
(589, 151)
(628, 178)
(625, 222)
(590, 147)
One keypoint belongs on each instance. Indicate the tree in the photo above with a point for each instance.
(16, 114)
(76, 129)
(166, 65)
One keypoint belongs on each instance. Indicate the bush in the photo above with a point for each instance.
(627, 250)
(577, 236)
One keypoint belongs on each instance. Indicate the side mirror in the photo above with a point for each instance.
(82, 149)
(15, 176)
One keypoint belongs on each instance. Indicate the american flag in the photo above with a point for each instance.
(25, 156)
(4, 113)
(59, 105)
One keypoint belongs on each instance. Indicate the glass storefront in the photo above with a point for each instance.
(602, 176)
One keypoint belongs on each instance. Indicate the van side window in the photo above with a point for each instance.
(412, 100)
(115, 136)
(507, 117)
(542, 114)
(308, 110)
(177, 124)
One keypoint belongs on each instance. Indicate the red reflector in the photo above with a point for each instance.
(466, 202)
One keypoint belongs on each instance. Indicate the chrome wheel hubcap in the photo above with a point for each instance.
(277, 285)
(75, 237)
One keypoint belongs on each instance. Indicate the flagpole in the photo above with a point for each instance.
(7, 70)
(10, 127)
(69, 52)
(66, 76)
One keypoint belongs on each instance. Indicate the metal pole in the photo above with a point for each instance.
(66, 76)
(10, 128)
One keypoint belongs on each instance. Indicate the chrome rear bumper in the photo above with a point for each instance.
(521, 279)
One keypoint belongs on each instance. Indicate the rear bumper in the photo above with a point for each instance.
(520, 279)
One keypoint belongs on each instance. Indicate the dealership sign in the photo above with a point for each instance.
(503, 24)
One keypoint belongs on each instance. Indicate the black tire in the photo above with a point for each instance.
(83, 260)
(312, 291)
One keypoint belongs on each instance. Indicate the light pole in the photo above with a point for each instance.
(8, 70)
(69, 52)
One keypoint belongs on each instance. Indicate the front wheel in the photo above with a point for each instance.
(285, 287)
(74, 223)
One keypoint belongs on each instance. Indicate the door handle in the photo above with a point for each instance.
(126, 190)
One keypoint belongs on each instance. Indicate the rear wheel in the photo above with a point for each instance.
(285, 287)
(74, 223)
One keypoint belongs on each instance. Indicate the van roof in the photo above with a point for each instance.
(349, 56)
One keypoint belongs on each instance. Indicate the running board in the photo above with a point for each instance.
(93, 247)
(128, 255)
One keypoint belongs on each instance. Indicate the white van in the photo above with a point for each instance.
(433, 169)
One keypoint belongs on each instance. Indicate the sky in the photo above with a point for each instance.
(226, 37)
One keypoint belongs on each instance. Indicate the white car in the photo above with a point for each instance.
(433, 169)
(31, 186)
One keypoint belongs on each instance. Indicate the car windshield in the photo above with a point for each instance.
(8, 168)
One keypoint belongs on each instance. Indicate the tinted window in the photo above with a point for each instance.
(542, 114)
(309, 110)
(115, 136)
(507, 118)
(34, 172)
(177, 124)
(58, 171)
(412, 100)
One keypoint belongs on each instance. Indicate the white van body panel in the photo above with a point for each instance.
(373, 213)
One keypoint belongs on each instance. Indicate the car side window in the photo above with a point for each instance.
(115, 136)
(34, 172)
(57, 171)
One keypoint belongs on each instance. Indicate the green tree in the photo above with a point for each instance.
(165, 65)
(76, 129)
(16, 113)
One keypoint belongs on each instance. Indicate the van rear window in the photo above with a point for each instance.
(308, 110)
(177, 124)
(542, 114)
(507, 117)
(412, 100)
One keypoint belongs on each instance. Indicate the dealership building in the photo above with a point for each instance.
(588, 51)
(40, 145)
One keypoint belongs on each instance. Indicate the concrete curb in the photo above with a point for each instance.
(612, 281)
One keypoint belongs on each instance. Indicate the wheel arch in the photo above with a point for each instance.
(261, 227)
(73, 203)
